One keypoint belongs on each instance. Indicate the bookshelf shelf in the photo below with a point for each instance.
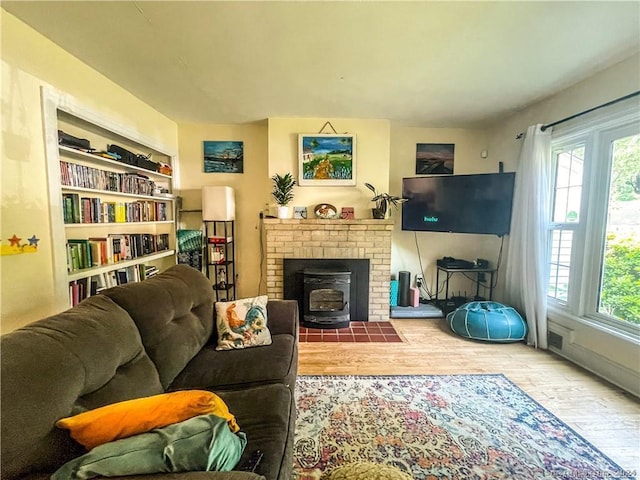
(112, 224)
(224, 289)
(81, 193)
(106, 162)
(68, 188)
(89, 272)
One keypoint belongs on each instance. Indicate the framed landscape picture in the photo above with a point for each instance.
(223, 157)
(434, 158)
(326, 159)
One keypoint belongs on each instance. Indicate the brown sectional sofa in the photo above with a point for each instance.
(138, 340)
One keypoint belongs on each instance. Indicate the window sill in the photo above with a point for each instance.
(563, 317)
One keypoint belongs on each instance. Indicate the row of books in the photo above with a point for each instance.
(97, 251)
(78, 209)
(86, 287)
(76, 175)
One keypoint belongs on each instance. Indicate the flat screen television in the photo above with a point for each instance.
(458, 203)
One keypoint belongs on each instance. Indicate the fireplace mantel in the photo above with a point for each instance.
(320, 238)
(323, 221)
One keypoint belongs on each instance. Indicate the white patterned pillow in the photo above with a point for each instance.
(242, 323)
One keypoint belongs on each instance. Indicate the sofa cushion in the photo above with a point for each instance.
(201, 443)
(267, 415)
(139, 415)
(220, 370)
(242, 323)
(174, 314)
(82, 358)
(283, 317)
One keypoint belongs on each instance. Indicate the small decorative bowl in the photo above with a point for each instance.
(325, 211)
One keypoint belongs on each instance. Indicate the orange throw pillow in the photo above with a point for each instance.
(131, 417)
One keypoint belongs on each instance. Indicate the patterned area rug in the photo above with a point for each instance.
(453, 427)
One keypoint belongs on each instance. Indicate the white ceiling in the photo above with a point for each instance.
(430, 64)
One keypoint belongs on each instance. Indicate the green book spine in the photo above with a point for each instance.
(76, 207)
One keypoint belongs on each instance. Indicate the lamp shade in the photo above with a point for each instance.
(218, 203)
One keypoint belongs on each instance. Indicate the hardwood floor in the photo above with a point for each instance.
(605, 415)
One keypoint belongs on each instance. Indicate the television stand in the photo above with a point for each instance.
(449, 272)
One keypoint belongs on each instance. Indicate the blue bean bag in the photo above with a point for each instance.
(489, 321)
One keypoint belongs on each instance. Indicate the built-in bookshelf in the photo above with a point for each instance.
(83, 287)
(112, 219)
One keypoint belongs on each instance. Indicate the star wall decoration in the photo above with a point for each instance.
(15, 240)
(15, 247)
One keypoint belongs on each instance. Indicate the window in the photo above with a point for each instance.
(565, 216)
(594, 222)
(619, 294)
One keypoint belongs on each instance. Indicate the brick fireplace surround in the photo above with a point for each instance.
(316, 238)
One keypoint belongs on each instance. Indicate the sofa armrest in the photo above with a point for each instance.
(283, 317)
(233, 475)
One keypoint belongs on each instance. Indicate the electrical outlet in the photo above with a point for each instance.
(419, 280)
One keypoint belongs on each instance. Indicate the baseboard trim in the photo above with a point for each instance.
(595, 363)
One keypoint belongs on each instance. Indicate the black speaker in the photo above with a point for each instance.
(404, 284)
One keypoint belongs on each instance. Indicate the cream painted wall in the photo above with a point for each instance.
(372, 160)
(29, 61)
(610, 355)
(272, 147)
(612, 83)
(434, 245)
(251, 188)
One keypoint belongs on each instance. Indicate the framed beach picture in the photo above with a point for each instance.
(434, 158)
(223, 157)
(326, 159)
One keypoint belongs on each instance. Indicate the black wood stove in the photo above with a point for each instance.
(326, 298)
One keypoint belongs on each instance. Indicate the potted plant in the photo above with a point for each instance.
(283, 192)
(383, 201)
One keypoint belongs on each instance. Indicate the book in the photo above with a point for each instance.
(100, 282)
(67, 207)
(117, 247)
(96, 253)
(150, 271)
(81, 253)
(79, 290)
(122, 276)
(218, 239)
(120, 213)
(71, 208)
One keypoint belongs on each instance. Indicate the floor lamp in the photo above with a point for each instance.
(218, 204)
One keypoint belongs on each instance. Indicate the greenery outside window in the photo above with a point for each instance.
(594, 222)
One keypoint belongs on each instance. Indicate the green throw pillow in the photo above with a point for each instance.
(202, 443)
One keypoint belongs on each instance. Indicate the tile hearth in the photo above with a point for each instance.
(357, 332)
